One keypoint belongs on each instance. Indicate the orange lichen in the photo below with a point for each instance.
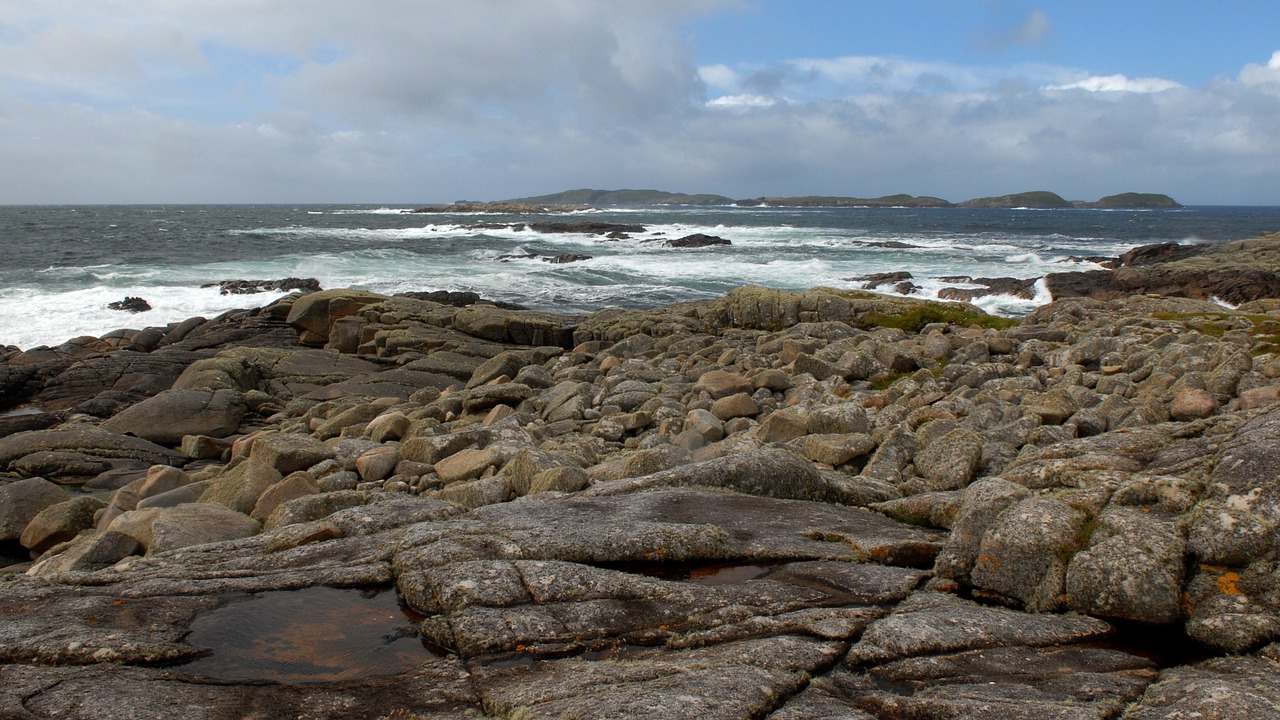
(1227, 584)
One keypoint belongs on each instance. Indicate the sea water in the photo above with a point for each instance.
(62, 265)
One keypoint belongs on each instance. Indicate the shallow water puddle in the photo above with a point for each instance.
(701, 573)
(313, 635)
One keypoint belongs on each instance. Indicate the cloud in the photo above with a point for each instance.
(1263, 75)
(414, 101)
(1119, 83)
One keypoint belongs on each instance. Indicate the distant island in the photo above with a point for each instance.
(587, 197)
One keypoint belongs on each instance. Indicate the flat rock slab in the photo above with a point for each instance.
(726, 682)
(682, 525)
(1233, 688)
(88, 440)
(436, 690)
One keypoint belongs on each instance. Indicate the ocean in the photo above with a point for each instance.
(62, 265)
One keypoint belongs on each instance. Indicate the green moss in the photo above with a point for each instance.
(916, 318)
(880, 384)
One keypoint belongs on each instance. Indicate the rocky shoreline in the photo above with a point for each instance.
(820, 504)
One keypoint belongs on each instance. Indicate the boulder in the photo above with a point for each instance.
(312, 314)
(289, 452)
(87, 553)
(196, 524)
(1024, 553)
(949, 462)
(770, 473)
(1132, 569)
(240, 487)
(467, 464)
(60, 523)
(722, 383)
(168, 416)
(296, 485)
(22, 500)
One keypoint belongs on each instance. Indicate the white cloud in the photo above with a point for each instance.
(1119, 83)
(739, 101)
(1263, 75)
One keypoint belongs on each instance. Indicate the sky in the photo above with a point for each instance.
(415, 101)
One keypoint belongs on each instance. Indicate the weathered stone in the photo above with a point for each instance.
(722, 383)
(388, 426)
(1192, 404)
(296, 485)
(980, 505)
(1224, 533)
(735, 406)
(467, 464)
(1024, 553)
(313, 314)
(771, 473)
(652, 460)
(240, 487)
(60, 523)
(949, 462)
(836, 450)
(1219, 689)
(168, 416)
(88, 553)
(289, 452)
(1132, 569)
(783, 426)
(196, 524)
(560, 479)
(314, 507)
(89, 440)
(22, 500)
(1053, 407)
(935, 623)
(846, 418)
(378, 463)
(504, 363)
(472, 494)
(356, 416)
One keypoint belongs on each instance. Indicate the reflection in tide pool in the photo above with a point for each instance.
(313, 635)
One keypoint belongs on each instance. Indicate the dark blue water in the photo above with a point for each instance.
(63, 264)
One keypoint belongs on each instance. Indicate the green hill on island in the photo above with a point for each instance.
(900, 200)
(1034, 199)
(600, 198)
(1135, 200)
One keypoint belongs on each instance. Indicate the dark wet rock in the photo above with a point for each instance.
(587, 227)
(875, 280)
(697, 240)
(1021, 288)
(437, 690)
(130, 304)
(250, 287)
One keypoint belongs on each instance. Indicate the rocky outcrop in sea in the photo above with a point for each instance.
(770, 505)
